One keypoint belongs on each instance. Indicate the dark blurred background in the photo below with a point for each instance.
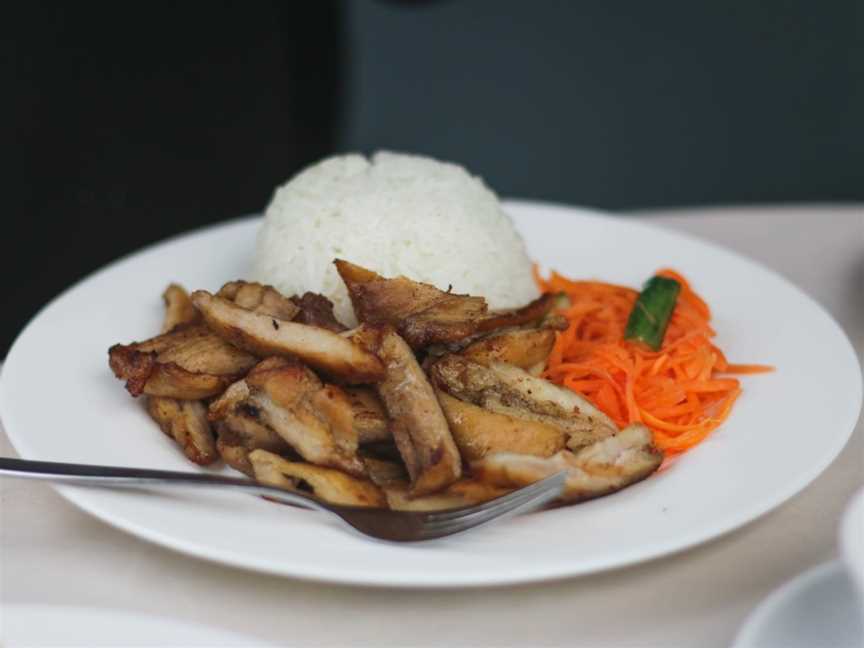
(125, 123)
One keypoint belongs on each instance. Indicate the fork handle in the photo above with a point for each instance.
(108, 476)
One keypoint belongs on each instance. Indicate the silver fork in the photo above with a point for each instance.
(395, 526)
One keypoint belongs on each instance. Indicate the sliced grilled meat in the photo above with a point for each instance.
(185, 422)
(527, 349)
(531, 314)
(317, 310)
(266, 336)
(417, 422)
(284, 396)
(178, 308)
(188, 363)
(598, 469)
(509, 390)
(259, 298)
(326, 484)
(370, 417)
(421, 313)
(479, 432)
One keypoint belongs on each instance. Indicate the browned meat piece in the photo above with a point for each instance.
(229, 402)
(258, 298)
(313, 418)
(391, 477)
(422, 314)
(506, 389)
(232, 449)
(479, 432)
(253, 434)
(531, 314)
(385, 473)
(178, 308)
(417, 422)
(237, 434)
(317, 310)
(370, 417)
(267, 336)
(599, 469)
(324, 483)
(465, 492)
(526, 349)
(188, 363)
(474, 491)
(186, 423)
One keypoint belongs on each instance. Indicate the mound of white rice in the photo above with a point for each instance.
(398, 215)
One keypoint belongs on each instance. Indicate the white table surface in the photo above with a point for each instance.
(52, 553)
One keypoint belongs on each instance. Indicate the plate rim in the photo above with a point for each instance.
(731, 523)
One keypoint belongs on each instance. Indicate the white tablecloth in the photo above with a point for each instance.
(50, 552)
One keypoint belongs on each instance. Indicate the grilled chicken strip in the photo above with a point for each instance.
(599, 469)
(266, 336)
(188, 363)
(313, 418)
(317, 310)
(324, 483)
(178, 308)
(186, 423)
(479, 432)
(258, 298)
(532, 314)
(238, 434)
(465, 492)
(231, 449)
(509, 390)
(421, 313)
(385, 473)
(417, 422)
(370, 417)
(526, 349)
(391, 477)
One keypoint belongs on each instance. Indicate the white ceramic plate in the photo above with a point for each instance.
(31, 626)
(817, 608)
(59, 401)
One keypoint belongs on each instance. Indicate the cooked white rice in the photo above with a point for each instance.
(398, 215)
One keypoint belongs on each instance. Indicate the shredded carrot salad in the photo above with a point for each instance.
(682, 392)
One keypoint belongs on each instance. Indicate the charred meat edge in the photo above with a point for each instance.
(317, 310)
(188, 363)
(531, 314)
(421, 313)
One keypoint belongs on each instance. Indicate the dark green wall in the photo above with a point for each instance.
(619, 104)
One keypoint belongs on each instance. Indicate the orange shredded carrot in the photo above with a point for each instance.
(682, 392)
